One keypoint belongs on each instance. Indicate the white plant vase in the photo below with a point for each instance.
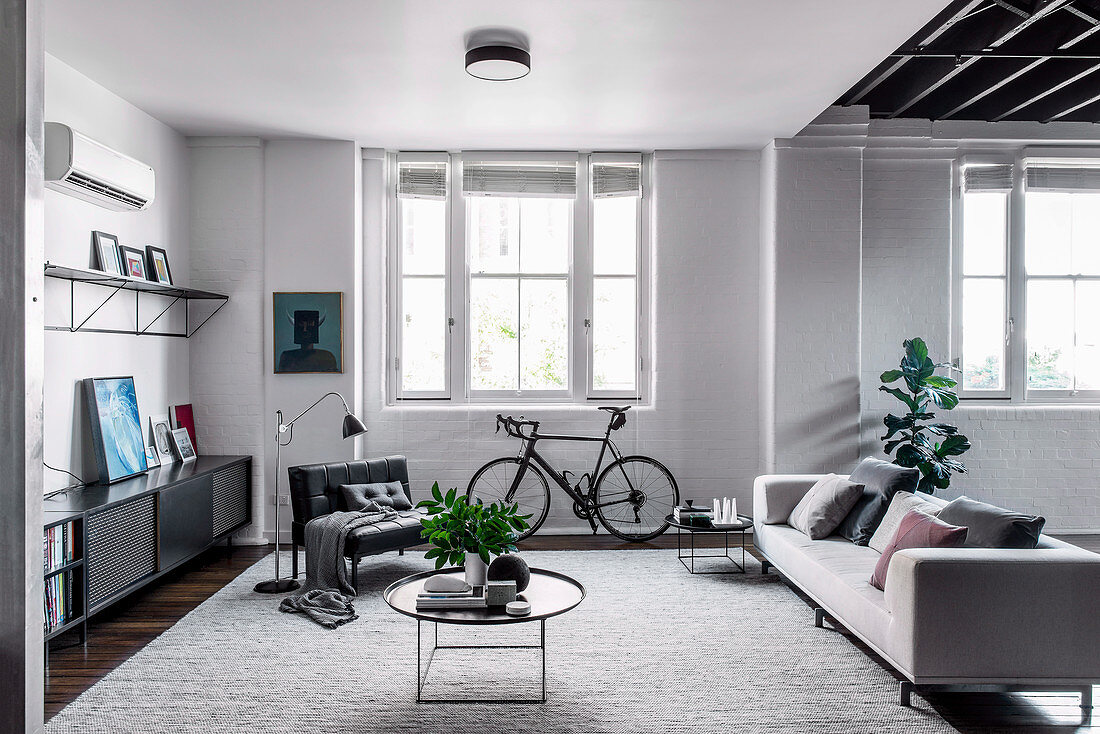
(475, 570)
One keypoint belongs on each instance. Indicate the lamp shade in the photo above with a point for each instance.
(498, 63)
(353, 426)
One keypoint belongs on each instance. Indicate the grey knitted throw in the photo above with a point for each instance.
(327, 594)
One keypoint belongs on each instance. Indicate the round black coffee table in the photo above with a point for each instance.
(743, 524)
(550, 593)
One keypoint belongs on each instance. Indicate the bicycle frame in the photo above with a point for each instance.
(530, 454)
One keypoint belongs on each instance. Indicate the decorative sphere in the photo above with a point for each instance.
(510, 568)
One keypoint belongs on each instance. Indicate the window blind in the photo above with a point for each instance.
(542, 180)
(1063, 179)
(987, 179)
(422, 180)
(616, 179)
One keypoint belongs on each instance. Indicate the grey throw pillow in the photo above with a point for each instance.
(824, 506)
(389, 495)
(991, 526)
(899, 507)
(881, 480)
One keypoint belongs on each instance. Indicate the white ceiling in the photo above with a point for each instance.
(606, 74)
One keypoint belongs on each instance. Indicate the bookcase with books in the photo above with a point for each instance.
(63, 603)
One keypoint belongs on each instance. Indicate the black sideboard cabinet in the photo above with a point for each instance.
(136, 530)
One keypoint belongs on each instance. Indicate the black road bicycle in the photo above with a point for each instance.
(631, 497)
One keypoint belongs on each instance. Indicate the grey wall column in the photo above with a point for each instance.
(21, 336)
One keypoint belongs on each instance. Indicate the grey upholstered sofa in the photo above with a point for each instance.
(972, 618)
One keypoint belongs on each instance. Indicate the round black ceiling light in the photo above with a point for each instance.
(498, 63)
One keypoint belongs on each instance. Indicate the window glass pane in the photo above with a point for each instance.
(423, 236)
(1050, 312)
(615, 334)
(1085, 226)
(423, 334)
(984, 229)
(983, 338)
(615, 235)
(544, 335)
(545, 229)
(1047, 233)
(493, 229)
(1087, 362)
(494, 334)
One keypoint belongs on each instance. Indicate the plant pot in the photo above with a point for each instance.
(475, 570)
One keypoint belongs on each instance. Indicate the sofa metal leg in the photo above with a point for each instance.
(400, 551)
(1086, 697)
(819, 617)
(294, 560)
(355, 574)
(905, 692)
(764, 566)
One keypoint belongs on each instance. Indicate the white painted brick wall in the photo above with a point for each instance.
(1044, 460)
(703, 422)
(227, 248)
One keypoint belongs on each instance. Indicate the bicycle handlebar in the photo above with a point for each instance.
(514, 428)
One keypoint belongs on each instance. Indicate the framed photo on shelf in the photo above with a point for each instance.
(151, 457)
(161, 431)
(181, 441)
(308, 332)
(133, 261)
(106, 252)
(159, 272)
(116, 427)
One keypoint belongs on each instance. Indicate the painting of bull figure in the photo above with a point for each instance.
(308, 332)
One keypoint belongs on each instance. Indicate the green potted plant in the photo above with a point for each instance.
(909, 434)
(465, 534)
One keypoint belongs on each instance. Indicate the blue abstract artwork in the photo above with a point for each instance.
(120, 445)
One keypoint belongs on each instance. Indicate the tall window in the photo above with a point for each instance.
(517, 277)
(1030, 294)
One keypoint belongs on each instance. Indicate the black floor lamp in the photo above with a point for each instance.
(352, 427)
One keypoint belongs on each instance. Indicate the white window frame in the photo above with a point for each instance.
(1016, 389)
(580, 278)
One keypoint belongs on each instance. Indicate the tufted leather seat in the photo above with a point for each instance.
(315, 491)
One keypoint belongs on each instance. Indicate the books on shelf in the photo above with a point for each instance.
(58, 545)
(59, 548)
(58, 601)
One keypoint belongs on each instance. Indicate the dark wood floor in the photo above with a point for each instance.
(125, 628)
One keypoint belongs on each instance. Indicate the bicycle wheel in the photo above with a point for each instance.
(643, 491)
(491, 484)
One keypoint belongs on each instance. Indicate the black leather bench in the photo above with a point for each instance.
(315, 491)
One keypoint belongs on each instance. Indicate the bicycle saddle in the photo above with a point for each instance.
(618, 420)
(610, 409)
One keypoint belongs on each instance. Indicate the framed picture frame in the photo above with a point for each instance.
(308, 332)
(181, 442)
(133, 262)
(157, 262)
(151, 457)
(106, 252)
(115, 423)
(161, 432)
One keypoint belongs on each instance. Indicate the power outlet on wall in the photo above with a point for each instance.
(283, 499)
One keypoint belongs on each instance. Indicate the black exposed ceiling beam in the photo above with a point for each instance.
(940, 28)
(1070, 110)
(1019, 28)
(1048, 91)
(992, 53)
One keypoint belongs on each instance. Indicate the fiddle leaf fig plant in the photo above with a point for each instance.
(454, 527)
(912, 435)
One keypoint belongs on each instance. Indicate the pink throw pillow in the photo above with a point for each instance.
(917, 530)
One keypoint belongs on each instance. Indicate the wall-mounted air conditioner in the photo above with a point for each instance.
(79, 166)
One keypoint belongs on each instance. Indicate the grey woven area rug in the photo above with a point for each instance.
(651, 649)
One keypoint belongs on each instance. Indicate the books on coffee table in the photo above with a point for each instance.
(450, 600)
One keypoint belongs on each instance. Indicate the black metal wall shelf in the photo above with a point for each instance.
(118, 283)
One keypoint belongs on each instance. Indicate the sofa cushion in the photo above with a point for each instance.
(900, 504)
(917, 530)
(392, 534)
(385, 494)
(881, 480)
(819, 512)
(991, 526)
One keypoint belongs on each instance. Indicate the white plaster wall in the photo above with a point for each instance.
(816, 281)
(703, 420)
(159, 365)
(1039, 459)
(227, 353)
(311, 243)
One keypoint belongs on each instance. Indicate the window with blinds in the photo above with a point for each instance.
(552, 179)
